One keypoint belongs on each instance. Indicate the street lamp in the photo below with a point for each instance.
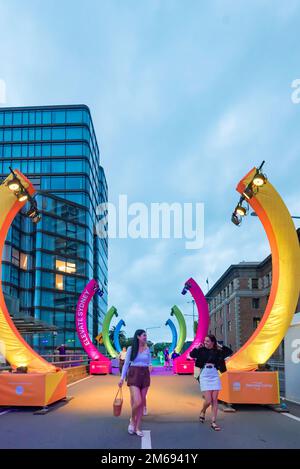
(192, 315)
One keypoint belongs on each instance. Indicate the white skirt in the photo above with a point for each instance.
(210, 380)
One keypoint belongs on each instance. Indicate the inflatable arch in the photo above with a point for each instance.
(117, 330)
(175, 311)
(171, 324)
(105, 331)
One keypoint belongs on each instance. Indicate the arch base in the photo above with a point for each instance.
(32, 389)
(99, 367)
(250, 387)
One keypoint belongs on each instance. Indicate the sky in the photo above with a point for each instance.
(186, 97)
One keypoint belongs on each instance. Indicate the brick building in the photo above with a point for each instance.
(237, 302)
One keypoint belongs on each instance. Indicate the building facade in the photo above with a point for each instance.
(47, 265)
(237, 303)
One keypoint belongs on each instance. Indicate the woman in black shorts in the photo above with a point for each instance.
(137, 363)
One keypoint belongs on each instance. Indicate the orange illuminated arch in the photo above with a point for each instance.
(284, 294)
(16, 350)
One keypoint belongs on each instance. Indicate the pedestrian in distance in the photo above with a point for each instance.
(136, 368)
(122, 357)
(210, 358)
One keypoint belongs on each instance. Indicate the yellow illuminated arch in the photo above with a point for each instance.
(284, 294)
(16, 351)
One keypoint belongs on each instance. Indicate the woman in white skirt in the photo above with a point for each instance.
(210, 358)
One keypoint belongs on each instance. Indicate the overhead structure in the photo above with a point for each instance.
(99, 363)
(258, 192)
(183, 364)
(42, 383)
(105, 331)
(175, 311)
(117, 331)
(171, 324)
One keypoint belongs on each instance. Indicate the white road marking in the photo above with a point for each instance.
(5, 412)
(76, 382)
(291, 416)
(146, 440)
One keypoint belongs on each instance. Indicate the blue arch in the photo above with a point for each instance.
(171, 324)
(120, 324)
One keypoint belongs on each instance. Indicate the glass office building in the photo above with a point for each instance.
(47, 265)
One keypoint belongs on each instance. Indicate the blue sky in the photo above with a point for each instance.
(186, 97)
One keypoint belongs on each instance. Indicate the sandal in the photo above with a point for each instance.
(202, 418)
(215, 427)
(139, 433)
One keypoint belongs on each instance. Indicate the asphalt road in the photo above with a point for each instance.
(86, 421)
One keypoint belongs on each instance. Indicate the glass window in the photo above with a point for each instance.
(73, 149)
(65, 266)
(7, 150)
(58, 166)
(25, 150)
(58, 133)
(46, 166)
(32, 117)
(38, 117)
(17, 135)
(74, 133)
(74, 166)
(38, 134)
(74, 116)
(254, 283)
(8, 118)
(23, 261)
(1, 118)
(31, 135)
(58, 117)
(46, 133)
(59, 282)
(46, 150)
(25, 118)
(25, 134)
(16, 151)
(58, 149)
(46, 117)
(17, 118)
(7, 135)
(57, 182)
(255, 303)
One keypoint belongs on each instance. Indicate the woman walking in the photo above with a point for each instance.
(137, 363)
(210, 358)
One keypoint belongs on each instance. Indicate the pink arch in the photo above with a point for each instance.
(203, 317)
(81, 322)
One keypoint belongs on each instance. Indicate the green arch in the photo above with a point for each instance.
(105, 331)
(175, 311)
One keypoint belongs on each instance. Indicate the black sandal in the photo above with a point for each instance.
(202, 418)
(215, 427)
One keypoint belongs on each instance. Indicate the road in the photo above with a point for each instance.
(86, 421)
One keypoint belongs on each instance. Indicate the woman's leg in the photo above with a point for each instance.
(136, 402)
(140, 412)
(214, 405)
(207, 402)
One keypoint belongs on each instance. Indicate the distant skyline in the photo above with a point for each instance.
(186, 97)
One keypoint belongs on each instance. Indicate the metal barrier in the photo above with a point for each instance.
(277, 365)
(67, 360)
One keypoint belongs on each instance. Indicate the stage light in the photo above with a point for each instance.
(235, 219)
(259, 179)
(248, 192)
(240, 210)
(14, 184)
(37, 218)
(22, 369)
(32, 212)
(22, 195)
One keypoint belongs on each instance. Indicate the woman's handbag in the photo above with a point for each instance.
(118, 403)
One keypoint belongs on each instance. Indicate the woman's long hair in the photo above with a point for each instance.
(135, 344)
(213, 340)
